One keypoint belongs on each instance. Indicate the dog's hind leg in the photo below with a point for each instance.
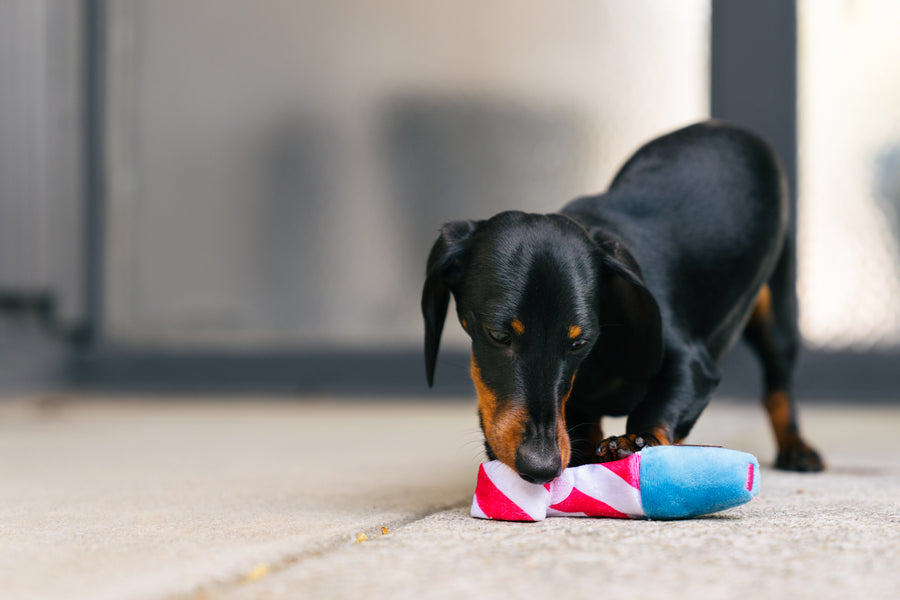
(773, 334)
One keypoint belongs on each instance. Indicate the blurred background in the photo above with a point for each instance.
(239, 196)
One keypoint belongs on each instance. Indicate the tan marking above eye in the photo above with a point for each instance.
(574, 331)
(518, 326)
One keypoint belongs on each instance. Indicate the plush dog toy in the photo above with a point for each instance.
(660, 482)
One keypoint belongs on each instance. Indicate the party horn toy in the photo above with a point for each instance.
(660, 482)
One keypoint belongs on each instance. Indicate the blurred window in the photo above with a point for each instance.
(849, 173)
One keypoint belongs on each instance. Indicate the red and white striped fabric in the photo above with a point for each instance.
(610, 489)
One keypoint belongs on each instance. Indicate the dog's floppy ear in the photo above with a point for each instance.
(443, 274)
(631, 326)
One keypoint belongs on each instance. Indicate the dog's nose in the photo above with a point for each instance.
(539, 463)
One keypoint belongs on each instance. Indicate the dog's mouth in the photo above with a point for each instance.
(537, 454)
(537, 458)
(503, 433)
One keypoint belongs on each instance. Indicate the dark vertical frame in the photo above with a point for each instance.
(754, 72)
(753, 82)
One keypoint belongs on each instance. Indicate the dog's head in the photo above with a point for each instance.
(537, 295)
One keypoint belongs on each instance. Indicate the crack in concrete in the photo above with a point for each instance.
(330, 545)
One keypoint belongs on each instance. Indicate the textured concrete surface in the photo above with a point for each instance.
(136, 499)
(263, 498)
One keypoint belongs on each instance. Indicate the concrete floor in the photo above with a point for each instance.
(193, 498)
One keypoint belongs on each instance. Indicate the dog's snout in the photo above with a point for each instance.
(538, 462)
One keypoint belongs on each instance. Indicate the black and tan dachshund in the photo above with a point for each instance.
(623, 304)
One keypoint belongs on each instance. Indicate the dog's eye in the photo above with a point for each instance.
(500, 337)
(578, 345)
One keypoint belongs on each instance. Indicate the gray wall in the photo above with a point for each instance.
(277, 171)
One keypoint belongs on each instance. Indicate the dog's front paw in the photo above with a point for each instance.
(799, 457)
(623, 446)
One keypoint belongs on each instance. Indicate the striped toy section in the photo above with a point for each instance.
(596, 490)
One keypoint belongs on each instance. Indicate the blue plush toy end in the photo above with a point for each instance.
(679, 482)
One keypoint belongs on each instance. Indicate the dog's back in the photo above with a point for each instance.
(698, 207)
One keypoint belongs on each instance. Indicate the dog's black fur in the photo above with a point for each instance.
(623, 303)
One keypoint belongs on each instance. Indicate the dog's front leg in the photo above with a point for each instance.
(677, 396)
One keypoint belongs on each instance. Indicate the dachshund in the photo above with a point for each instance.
(623, 303)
